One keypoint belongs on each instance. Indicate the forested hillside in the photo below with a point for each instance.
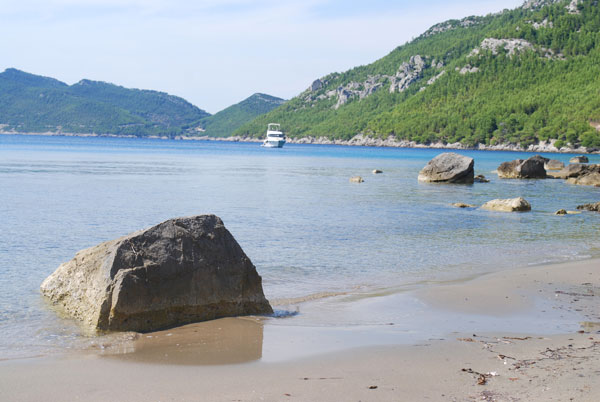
(519, 76)
(31, 103)
(225, 122)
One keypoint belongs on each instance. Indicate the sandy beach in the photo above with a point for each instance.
(229, 359)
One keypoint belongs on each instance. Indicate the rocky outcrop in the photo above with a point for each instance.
(180, 271)
(595, 207)
(532, 168)
(467, 69)
(553, 164)
(407, 74)
(512, 47)
(579, 159)
(448, 167)
(509, 205)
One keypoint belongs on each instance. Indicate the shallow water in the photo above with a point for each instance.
(307, 229)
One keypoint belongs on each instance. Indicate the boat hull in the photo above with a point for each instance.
(273, 144)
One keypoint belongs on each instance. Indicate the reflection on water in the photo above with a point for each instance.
(223, 341)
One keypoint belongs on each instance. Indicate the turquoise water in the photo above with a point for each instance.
(307, 229)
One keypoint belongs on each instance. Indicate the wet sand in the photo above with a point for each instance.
(541, 342)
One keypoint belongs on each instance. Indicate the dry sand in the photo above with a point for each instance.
(221, 360)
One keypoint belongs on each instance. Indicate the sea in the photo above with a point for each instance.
(310, 232)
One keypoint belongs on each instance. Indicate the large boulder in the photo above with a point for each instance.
(180, 271)
(579, 159)
(448, 167)
(532, 168)
(509, 205)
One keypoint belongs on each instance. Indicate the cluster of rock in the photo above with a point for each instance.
(538, 167)
(180, 271)
(450, 25)
(408, 73)
(535, 4)
(595, 207)
(544, 24)
(467, 69)
(511, 46)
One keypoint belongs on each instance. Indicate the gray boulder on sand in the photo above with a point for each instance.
(509, 205)
(448, 167)
(180, 271)
(532, 168)
(579, 159)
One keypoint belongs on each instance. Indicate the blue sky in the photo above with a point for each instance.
(214, 53)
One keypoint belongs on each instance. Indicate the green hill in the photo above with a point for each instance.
(225, 122)
(30, 103)
(519, 76)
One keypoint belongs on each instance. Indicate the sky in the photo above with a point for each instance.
(214, 53)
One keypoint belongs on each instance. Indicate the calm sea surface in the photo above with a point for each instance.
(307, 229)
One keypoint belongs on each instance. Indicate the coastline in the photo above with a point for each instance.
(357, 140)
(501, 362)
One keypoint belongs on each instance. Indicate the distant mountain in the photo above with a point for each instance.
(31, 103)
(516, 77)
(225, 122)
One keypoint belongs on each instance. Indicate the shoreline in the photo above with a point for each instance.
(485, 352)
(358, 140)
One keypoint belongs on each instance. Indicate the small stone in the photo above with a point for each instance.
(481, 179)
(508, 205)
(356, 179)
(377, 171)
(462, 205)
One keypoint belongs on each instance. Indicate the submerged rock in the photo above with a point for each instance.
(481, 179)
(595, 207)
(448, 167)
(180, 271)
(561, 212)
(509, 205)
(462, 205)
(579, 159)
(356, 179)
(532, 168)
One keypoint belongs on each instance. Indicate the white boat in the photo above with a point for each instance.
(275, 138)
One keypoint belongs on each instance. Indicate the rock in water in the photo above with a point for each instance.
(532, 168)
(448, 167)
(554, 164)
(356, 179)
(589, 179)
(579, 159)
(510, 205)
(590, 207)
(180, 271)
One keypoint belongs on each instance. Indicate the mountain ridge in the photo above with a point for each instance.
(520, 76)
